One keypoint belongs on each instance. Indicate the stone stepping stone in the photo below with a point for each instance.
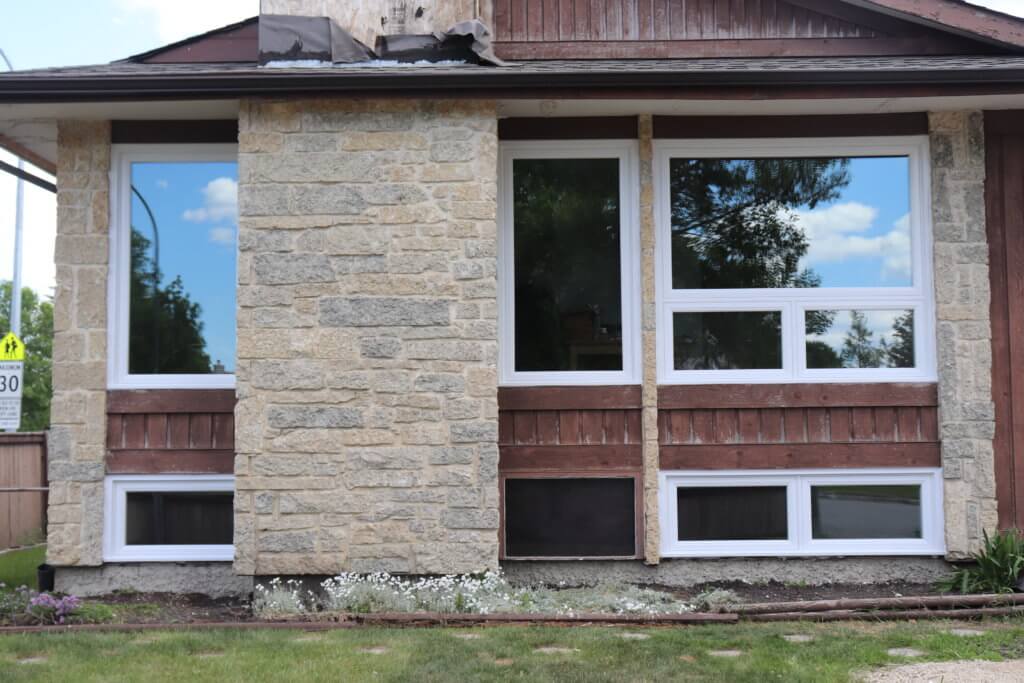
(725, 653)
(503, 662)
(689, 659)
(311, 638)
(208, 655)
(904, 652)
(634, 636)
(467, 636)
(967, 632)
(552, 650)
(376, 650)
(32, 660)
(798, 638)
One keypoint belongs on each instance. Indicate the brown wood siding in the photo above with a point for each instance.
(1004, 192)
(569, 128)
(853, 125)
(171, 430)
(594, 29)
(798, 425)
(610, 20)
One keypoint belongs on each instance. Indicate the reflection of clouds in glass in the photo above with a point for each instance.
(220, 202)
(162, 184)
(224, 236)
(835, 234)
(880, 323)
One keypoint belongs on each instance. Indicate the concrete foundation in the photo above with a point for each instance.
(215, 579)
(682, 573)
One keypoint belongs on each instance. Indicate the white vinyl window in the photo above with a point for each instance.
(801, 512)
(568, 258)
(173, 263)
(168, 518)
(794, 260)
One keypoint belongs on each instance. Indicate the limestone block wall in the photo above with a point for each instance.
(366, 425)
(78, 411)
(966, 412)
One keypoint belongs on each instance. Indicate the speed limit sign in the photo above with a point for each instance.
(12, 365)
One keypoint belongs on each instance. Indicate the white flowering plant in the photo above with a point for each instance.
(487, 593)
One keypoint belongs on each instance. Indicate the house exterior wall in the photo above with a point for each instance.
(366, 423)
(966, 412)
(78, 411)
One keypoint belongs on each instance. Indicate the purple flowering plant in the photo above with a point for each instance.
(23, 605)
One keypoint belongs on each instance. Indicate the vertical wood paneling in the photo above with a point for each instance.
(591, 426)
(134, 431)
(224, 430)
(795, 425)
(201, 430)
(863, 424)
(178, 431)
(566, 20)
(547, 428)
(551, 19)
(818, 427)
(156, 430)
(569, 426)
(907, 424)
(771, 426)
(525, 427)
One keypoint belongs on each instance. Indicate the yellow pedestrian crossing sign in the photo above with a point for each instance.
(11, 348)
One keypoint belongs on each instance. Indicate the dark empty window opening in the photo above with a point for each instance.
(585, 517)
(180, 518)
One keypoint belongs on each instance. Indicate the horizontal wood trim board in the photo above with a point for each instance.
(130, 401)
(570, 458)
(569, 398)
(17, 438)
(569, 128)
(771, 47)
(170, 462)
(177, 131)
(797, 396)
(794, 456)
(853, 125)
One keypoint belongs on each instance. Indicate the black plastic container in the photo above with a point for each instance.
(45, 576)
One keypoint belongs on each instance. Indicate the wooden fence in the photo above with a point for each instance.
(23, 488)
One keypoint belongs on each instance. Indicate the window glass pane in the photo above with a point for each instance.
(866, 511)
(741, 513)
(570, 517)
(727, 340)
(184, 225)
(860, 339)
(187, 518)
(800, 222)
(567, 265)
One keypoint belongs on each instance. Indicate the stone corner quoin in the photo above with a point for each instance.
(367, 337)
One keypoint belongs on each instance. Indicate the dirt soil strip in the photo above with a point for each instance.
(889, 615)
(396, 619)
(917, 602)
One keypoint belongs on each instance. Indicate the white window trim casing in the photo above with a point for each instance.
(798, 484)
(626, 151)
(793, 302)
(118, 281)
(115, 508)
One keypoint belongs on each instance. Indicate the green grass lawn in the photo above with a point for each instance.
(496, 654)
(18, 567)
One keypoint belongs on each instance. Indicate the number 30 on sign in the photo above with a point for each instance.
(12, 365)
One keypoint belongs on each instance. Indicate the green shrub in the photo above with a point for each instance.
(996, 569)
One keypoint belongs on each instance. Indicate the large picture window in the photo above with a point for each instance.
(889, 511)
(173, 266)
(569, 305)
(794, 260)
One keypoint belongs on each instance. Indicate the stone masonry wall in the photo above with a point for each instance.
(366, 429)
(78, 411)
(966, 412)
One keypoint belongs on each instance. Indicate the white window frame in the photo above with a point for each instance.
(119, 279)
(626, 151)
(792, 303)
(798, 486)
(115, 510)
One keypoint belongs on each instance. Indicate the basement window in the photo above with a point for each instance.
(158, 518)
(174, 237)
(794, 260)
(801, 512)
(569, 262)
(570, 517)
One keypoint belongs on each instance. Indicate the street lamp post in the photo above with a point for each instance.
(19, 209)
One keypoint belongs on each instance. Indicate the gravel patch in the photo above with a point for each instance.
(947, 672)
(904, 652)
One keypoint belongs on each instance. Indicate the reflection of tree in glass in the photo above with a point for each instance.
(861, 350)
(900, 353)
(165, 313)
(734, 226)
(567, 264)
